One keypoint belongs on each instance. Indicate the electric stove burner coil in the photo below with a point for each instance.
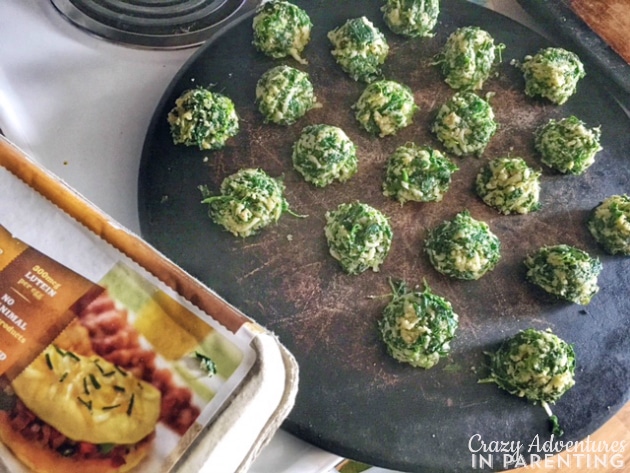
(158, 24)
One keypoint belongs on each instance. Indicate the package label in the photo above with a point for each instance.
(38, 297)
(121, 354)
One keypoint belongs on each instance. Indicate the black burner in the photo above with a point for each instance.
(153, 23)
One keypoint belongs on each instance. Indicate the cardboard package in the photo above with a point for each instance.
(85, 301)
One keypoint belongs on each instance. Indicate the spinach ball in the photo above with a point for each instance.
(359, 48)
(465, 124)
(250, 200)
(463, 248)
(411, 18)
(469, 57)
(359, 237)
(418, 173)
(281, 29)
(417, 327)
(509, 185)
(284, 95)
(385, 107)
(610, 224)
(324, 154)
(203, 118)
(564, 271)
(536, 365)
(567, 145)
(552, 73)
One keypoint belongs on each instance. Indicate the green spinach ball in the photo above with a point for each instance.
(417, 173)
(564, 271)
(469, 57)
(552, 73)
(463, 248)
(203, 118)
(359, 237)
(284, 95)
(465, 124)
(385, 107)
(411, 18)
(281, 29)
(323, 154)
(509, 185)
(567, 145)
(610, 224)
(250, 200)
(359, 48)
(417, 327)
(536, 365)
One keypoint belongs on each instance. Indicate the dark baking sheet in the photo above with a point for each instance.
(354, 400)
(560, 20)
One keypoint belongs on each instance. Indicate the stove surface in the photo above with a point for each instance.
(153, 24)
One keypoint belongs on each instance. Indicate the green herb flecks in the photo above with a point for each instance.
(103, 372)
(48, 362)
(95, 382)
(206, 364)
(131, 403)
(65, 353)
(87, 404)
(109, 408)
(105, 448)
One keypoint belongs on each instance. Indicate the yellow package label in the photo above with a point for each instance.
(37, 299)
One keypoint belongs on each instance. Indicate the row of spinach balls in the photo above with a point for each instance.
(418, 326)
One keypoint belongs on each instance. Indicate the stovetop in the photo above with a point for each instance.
(152, 23)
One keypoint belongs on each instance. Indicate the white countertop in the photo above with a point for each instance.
(81, 106)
